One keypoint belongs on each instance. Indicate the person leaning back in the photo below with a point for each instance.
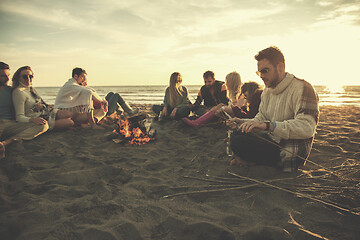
(282, 132)
(10, 130)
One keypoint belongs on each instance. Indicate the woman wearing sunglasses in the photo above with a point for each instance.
(30, 107)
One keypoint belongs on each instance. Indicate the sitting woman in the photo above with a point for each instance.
(251, 93)
(30, 107)
(176, 100)
(233, 85)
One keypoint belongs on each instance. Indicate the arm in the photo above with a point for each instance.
(19, 100)
(223, 95)
(97, 98)
(199, 99)
(166, 103)
(303, 102)
(306, 110)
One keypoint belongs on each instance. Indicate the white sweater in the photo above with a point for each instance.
(24, 103)
(282, 105)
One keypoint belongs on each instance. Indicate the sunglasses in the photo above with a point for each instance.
(25, 77)
(262, 71)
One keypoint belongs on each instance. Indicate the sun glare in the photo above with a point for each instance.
(335, 88)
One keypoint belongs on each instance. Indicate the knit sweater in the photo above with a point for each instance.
(293, 105)
(24, 104)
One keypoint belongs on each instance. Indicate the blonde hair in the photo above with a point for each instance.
(233, 85)
(175, 88)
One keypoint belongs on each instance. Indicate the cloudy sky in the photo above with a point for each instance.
(140, 42)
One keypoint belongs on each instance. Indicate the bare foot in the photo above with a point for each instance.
(2, 150)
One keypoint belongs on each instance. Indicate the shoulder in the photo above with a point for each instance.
(303, 86)
(220, 83)
(18, 91)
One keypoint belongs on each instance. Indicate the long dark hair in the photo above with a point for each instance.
(16, 76)
(251, 88)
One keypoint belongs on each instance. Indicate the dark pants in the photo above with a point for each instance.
(249, 147)
(114, 100)
(180, 113)
(201, 110)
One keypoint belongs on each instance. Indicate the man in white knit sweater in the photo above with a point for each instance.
(281, 134)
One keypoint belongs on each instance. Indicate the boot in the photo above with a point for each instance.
(126, 107)
(207, 117)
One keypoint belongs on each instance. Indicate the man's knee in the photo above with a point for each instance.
(109, 95)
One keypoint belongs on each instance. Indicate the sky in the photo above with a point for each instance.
(140, 42)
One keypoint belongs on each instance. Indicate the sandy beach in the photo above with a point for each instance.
(81, 185)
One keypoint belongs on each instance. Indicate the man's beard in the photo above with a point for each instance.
(275, 81)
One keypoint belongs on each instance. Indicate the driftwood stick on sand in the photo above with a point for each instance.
(296, 193)
(210, 191)
(209, 180)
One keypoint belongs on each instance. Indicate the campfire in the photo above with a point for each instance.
(134, 130)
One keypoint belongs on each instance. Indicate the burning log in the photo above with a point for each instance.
(134, 130)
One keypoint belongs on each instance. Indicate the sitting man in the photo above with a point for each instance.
(282, 132)
(76, 97)
(213, 93)
(10, 130)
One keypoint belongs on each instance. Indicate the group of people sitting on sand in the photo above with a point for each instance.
(24, 115)
(274, 126)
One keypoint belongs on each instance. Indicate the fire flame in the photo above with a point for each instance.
(135, 135)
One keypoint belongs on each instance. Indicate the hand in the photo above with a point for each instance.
(252, 126)
(173, 113)
(38, 121)
(38, 106)
(241, 102)
(104, 102)
(164, 112)
(234, 123)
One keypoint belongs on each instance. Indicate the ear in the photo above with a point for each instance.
(281, 67)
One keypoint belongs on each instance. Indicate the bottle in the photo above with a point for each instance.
(228, 148)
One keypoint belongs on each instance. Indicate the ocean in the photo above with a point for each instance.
(348, 95)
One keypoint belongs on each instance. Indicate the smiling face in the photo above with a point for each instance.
(270, 75)
(4, 77)
(26, 77)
